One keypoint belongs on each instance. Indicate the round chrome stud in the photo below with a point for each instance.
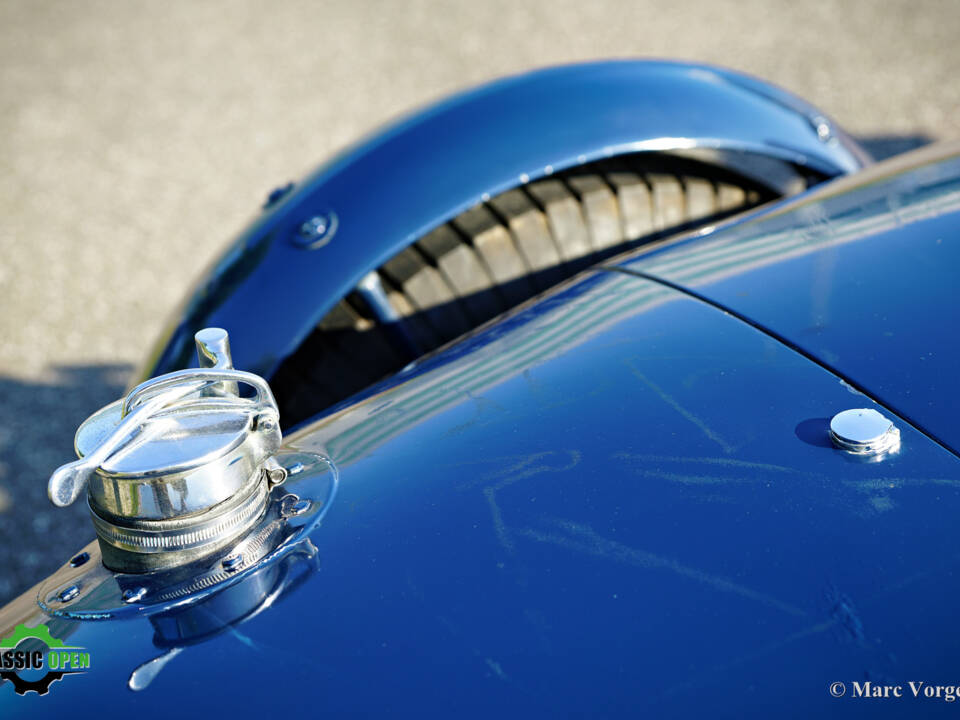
(864, 431)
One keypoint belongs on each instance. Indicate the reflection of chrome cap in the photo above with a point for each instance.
(176, 469)
(864, 431)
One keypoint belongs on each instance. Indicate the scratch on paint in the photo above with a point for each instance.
(845, 613)
(835, 620)
(727, 462)
(503, 535)
(881, 504)
(524, 468)
(814, 629)
(685, 479)
(897, 483)
(481, 406)
(922, 574)
(584, 539)
(880, 500)
(490, 662)
(497, 670)
(520, 464)
(704, 428)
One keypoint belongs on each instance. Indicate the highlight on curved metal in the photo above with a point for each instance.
(269, 290)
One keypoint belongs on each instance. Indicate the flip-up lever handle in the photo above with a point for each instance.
(151, 397)
(198, 379)
(68, 481)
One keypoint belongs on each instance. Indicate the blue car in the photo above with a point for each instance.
(615, 389)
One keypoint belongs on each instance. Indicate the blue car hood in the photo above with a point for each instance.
(861, 275)
(620, 500)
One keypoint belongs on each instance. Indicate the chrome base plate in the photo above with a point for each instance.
(84, 589)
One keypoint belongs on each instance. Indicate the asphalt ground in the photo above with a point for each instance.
(137, 137)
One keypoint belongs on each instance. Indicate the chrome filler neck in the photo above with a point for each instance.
(180, 467)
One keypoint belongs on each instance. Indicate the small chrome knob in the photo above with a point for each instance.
(177, 468)
(213, 348)
(213, 351)
(864, 431)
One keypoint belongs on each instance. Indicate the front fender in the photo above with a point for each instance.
(270, 288)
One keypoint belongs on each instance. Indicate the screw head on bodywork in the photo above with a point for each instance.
(864, 431)
(68, 593)
(822, 126)
(317, 231)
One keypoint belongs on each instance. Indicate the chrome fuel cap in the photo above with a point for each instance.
(179, 467)
(184, 459)
(864, 431)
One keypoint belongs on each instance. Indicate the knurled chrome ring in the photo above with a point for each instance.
(155, 536)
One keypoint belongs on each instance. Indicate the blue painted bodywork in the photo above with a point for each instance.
(621, 499)
(269, 291)
(618, 501)
(861, 275)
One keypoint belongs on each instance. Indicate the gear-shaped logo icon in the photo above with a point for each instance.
(40, 687)
(22, 632)
(15, 659)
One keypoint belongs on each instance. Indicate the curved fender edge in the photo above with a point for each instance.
(270, 287)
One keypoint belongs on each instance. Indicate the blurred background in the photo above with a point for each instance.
(137, 137)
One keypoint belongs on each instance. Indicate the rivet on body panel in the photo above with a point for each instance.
(317, 231)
